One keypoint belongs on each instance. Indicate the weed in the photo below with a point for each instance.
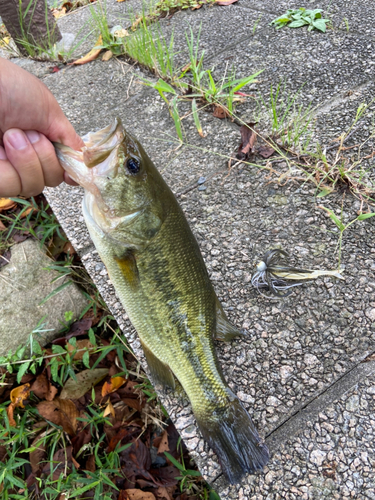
(296, 18)
(342, 227)
(148, 46)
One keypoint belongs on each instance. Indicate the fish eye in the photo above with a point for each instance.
(133, 165)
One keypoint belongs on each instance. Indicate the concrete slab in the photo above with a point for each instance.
(25, 283)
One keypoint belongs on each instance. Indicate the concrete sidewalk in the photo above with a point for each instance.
(306, 371)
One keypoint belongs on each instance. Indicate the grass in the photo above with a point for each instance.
(27, 441)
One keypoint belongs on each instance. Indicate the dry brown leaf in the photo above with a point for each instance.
(139, 495)
(2, 227)
(6, 204)
(27, 211)
(92, 55)
(42, 388)
(59, 13)
(163, 446)
(69, 248)
(248, 139)
(38, 455)
(62, 412)
(19, 394)
(220, 112)
(112, 386)
(10, 413)
(163, 493)
(90, 463)
(107, 55)
(81, 346)
(266, 151)
(109, 410)
(74, 389)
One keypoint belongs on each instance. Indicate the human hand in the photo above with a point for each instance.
(30, 118)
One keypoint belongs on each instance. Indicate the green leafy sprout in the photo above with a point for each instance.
(296, 18)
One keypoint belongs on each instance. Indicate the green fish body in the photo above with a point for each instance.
(156, 267)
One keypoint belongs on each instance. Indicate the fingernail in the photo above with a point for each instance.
(33, 136)
(3, 156)
(17, 139)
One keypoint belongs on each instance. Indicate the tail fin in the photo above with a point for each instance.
(232, 435)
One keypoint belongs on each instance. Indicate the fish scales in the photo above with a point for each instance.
(156, 267)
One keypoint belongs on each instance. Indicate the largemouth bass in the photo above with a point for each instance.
(156, 267)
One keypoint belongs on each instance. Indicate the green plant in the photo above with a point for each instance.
(342, 227)
(296, 18)
(148, 46)
(187, 475)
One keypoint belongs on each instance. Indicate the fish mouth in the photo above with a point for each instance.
(100, 151)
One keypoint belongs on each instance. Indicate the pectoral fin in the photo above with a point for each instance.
(225, 331)
(129, 269)
(160, 372)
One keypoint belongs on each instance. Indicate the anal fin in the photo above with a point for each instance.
(160, 372)
(225, 331)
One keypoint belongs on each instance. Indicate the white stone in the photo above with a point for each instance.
(317, 457)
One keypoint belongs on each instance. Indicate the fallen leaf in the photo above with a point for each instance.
(83, 437)
(82, 346)
(220, 112)
(59, 13)
(74, 389)
(10, 413)
(266, 151)
(225, 2)
(109, 410)
(38, 455)
(2, 227)
(6, 204)
(107, 55)
(28, 211)
(19, 394)
(248, 139)
(92, 55)
(55, 69)
(90, 463)
(139, 495)
(163, 446)
(62, 412)
(42, 388)
(69, 248)
(112, 386)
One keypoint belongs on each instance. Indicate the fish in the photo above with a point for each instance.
(156, 267)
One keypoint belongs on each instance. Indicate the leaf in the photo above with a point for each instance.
(42, 388)
(2, 227)
(6, 204)
(196, 118)
(220, 112)
(134, 494)
(62, 412)
(55, 292)
(365, 216)
(324, 192)
(107, 55)
(19, 394)
(334, 217)
(74, 389)
(92, 55)
(298, 23)
(248, 139)
(23, 369)
(112, 386)
(109, 410)
(82, 347)
(320, 25)
(163, 446)
(225, 2)
(164, 86)
(265, 151)
(38, 454)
